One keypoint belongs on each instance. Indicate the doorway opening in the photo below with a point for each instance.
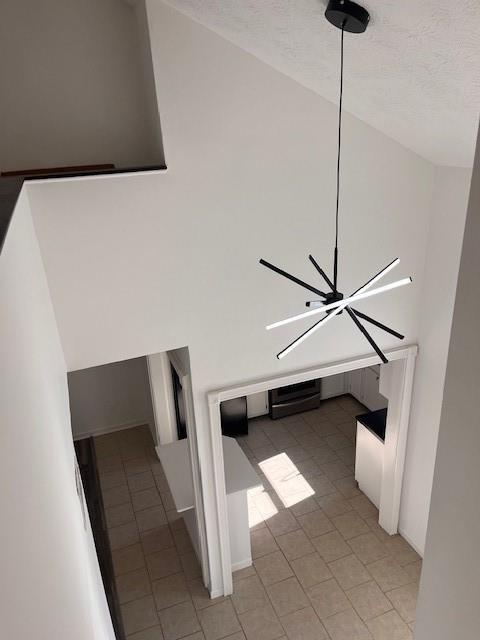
(333, 427)
(125, 416)
(397, 378)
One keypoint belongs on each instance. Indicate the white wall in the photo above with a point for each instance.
(151, 111)
(110, 396)
(449, 206)
(251, 174)
(75, 86)
(49, 581)
(181, 249)
(448, 604)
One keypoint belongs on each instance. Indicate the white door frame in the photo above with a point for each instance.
(400, 389)
(161, 390)
(186, 382)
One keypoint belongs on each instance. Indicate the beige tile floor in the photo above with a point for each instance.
(322, 568)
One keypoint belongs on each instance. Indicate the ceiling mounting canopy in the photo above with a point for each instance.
(413, 76)
(347, 15)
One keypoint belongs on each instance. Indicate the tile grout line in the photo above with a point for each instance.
(298, 527)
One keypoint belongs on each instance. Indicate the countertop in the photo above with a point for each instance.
(175, 459)
(375, 422)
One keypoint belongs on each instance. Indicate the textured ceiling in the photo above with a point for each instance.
(414, 75)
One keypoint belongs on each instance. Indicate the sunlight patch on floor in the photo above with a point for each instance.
(260, 508)
(287, 482)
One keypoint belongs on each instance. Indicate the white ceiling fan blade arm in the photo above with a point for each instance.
(333, 305)
(309, 332)
(305, 314)
(378, 276)
(374, 292)
(312, 312)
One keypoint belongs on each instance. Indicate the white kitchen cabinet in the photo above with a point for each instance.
(355, 384)
(369, 453)
(240, 477)
(369, 463)
(332, 386)
(373, 398)
(363, 384)
(257, 404)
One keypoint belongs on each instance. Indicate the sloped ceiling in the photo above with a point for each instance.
(414, 75)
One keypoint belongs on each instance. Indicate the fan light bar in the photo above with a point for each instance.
(364, 287)
(308, 333)
(341, 303)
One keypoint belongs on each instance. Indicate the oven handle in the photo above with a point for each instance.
(297, 401)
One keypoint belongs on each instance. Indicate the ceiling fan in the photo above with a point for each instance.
(351, 17)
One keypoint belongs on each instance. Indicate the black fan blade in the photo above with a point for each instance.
(377, 324)
(367, 335)
(321, 271)
(292, 278)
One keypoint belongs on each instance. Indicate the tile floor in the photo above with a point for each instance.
(322, 566)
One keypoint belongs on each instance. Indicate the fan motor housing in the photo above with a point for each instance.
(333, 296)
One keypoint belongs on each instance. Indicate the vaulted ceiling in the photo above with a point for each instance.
(414, 75)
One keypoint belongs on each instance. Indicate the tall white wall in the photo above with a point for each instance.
(50, 581)
(251, 174)
(448, 604)
(110, 396)
(76, 87)
(151, 115)
(175, 256)
(442, 259)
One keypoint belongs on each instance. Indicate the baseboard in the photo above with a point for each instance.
(410, 542)
(353, 395)
(329, 396)
(243, 564)
(236, 566)
(258, 415)
(100, 431)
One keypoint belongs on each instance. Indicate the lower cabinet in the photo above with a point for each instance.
(257, 404)
(369, 453)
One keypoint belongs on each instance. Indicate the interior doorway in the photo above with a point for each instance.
(397, 378)
(333, 426)
(179, 400)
